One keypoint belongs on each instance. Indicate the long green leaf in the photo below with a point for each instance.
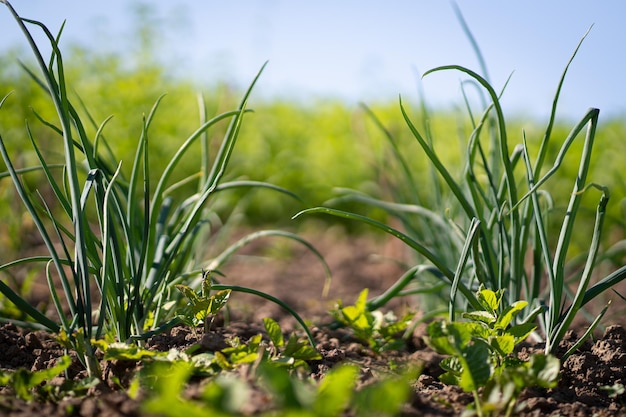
(567, 226)
(516, 249)
(24, 306)
(112, 267)
(219, 167)
(422, 250)
(470, 242)
(443, 171)
(562, 325)
(222, 257)
(36, 218)
(396, 290)
(271, 298)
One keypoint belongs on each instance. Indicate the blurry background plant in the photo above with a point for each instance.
(297, 145)
(284, 394)
(381, 331)
(116, 243)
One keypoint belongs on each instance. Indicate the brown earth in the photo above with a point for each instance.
(294, 275)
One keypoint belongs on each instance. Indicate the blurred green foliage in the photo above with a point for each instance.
(308, 148)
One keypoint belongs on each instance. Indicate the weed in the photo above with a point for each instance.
(380, 331)
(203, 307)
(34, 385)
(293, 353)
(482, 355)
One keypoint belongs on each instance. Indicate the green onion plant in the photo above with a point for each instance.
(489, 225)
(119, 245)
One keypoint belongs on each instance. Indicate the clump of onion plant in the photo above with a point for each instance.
(117, 244)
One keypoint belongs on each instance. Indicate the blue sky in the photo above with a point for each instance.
(366, 51)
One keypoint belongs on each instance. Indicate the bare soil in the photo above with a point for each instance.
(294, 275)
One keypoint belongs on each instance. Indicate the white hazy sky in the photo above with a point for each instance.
(367, 50)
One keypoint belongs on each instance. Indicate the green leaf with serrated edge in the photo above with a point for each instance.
(475, 330)
(361, 302)
(476, 367)
(274, 332)
(189, 293)
(307, 353)
(451, 364)
(505, 318)
(200, 309)
(125, 351)
(448, 338)
(521, 331)
(293, 345)
(480, 316)
(490, 300)
(356, 318)
(218, 301)
(223, 363)
(504, 344)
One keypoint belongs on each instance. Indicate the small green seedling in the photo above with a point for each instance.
(203, 307)
(23, 382)
(294, 352)
(240, 353)
(203, 364)
(378, 330)
(125, 351)
(482, 355)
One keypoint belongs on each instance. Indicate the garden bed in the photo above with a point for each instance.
(589, 383)
(152, 315)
